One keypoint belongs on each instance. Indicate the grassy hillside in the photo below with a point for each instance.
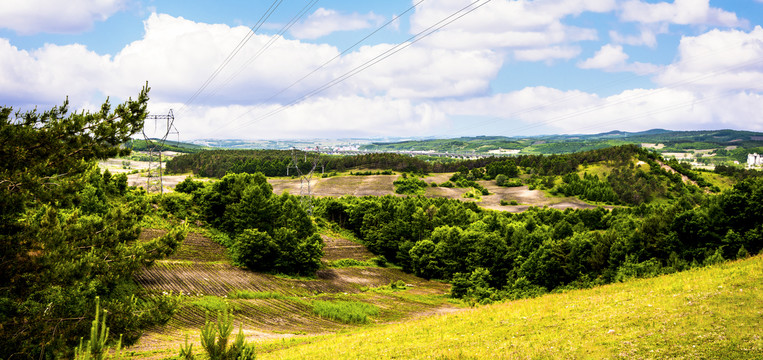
(708, 313)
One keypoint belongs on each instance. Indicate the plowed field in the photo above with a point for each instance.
(200, 270)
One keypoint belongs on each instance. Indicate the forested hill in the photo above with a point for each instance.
(562, 144)
(216, 163)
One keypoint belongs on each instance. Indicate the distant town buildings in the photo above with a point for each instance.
(754, 159)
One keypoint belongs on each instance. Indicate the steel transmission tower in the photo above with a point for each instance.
(305, 190)
(164, 125)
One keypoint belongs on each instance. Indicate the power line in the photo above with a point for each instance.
(270, 42)
(233, 52)
(345, 51)
(397, 48)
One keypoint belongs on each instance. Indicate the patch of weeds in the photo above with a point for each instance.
(474, 194)
(392, 287)
(248, 294)
(212, 304)
(344, 263)
(348, 312)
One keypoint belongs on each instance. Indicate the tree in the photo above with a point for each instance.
(67, 232)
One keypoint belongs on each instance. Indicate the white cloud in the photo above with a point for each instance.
(344, 116)
(176, 55)
(681, 12)
(607, 58)
(647, 37)
(326, 21)
(547, 54)
(612, 58)
(55, 16)
(49, 74)
(718, 61)
(574, 112)
(532, 28)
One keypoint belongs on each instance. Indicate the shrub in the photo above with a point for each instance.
(255, 250)
(410, 185)
(214, 340)
(379, 261)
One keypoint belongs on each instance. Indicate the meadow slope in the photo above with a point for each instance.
(709, 313)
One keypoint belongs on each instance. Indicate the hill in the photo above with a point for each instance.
(562, 144)
(708, 313)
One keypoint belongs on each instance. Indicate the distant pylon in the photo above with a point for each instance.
(305, 189)
(154, 146)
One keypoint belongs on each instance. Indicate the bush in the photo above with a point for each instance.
(255, 250)
(410, 185)
(379, 261)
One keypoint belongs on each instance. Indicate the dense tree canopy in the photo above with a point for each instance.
(68, 232)
(266, 232)
(491, 255)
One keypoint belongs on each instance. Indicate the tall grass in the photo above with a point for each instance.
(349, 312)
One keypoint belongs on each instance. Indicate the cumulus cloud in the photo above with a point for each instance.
(646, 36)
(681, 12)
(338, 117)
(575, 112)
(534, 30)
(718, 61)
(47, 75)
(612, 58)
(547, 54)
(175, 55)
(326, 21)
(54, 16)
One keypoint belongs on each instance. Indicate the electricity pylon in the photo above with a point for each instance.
(154, 146)
(305, 189)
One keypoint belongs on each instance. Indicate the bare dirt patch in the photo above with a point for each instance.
(337, 248)
(168, 181)
(375, 185)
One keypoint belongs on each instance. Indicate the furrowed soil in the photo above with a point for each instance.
(201, 271)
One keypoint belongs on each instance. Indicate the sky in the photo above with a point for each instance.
(296, 69)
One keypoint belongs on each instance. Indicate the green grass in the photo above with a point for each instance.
(212, 304)
(248, 294)
(348, 312)
(708, 313)
(722, 182)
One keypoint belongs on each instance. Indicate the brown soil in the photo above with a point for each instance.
(338, 248)
(200, 267)
(375, 185)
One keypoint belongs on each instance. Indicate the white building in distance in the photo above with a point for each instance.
(754, 160)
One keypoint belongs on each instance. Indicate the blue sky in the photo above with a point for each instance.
(509, 67)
